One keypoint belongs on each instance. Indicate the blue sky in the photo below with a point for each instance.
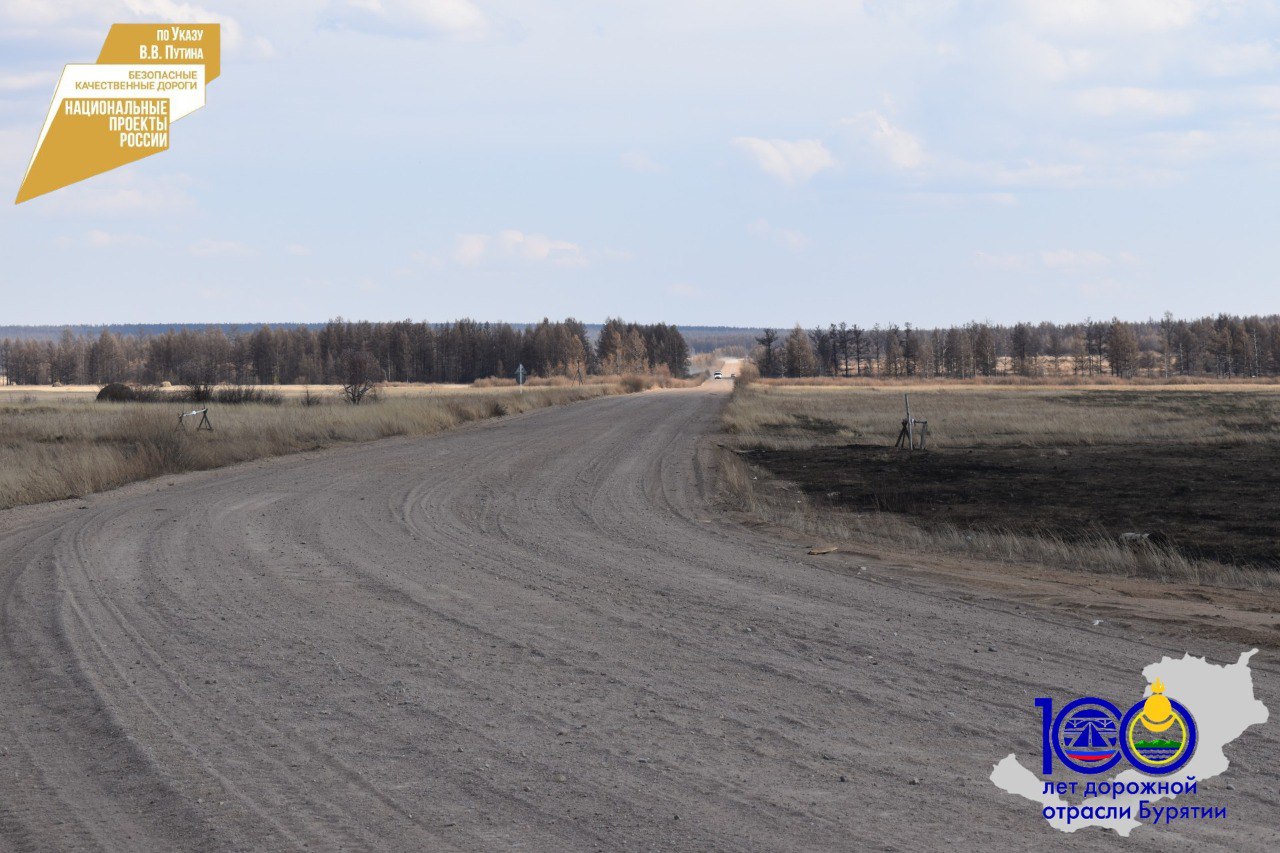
(697, 161)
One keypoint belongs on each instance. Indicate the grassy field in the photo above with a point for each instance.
(1173, 482)
(386, 390)
(62, 444)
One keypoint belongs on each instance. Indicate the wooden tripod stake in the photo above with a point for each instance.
(204, 420)
(907, 437)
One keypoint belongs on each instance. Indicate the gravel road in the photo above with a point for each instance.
(536, 633)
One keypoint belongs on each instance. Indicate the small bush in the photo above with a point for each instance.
(548, 381)
(238, 394)
(116, 392)
(494, 382)
(152, 394)
(633, 383)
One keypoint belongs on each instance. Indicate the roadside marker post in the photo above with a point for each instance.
(520, 373)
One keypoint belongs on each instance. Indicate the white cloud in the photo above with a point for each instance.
(955, 200)
(999, 262)
(470, 249)
(1030, 174)
(1111, 17)
(120, 192)
(785, 237)
(169, 10)
(899, 146)
(26, 82)
(297, 250)
(1109, 287)
(539, 247)
(638, 161)
(1266, 98)
(1054, 259)
(1015, 48)
(36, 13)
(16, 145)
(262, 48)
(1234, 60)
(792, 162)
(208, 248)
(459, 19)
(99, 239)
(83, 13)
(1079, 259)
(1130, 101)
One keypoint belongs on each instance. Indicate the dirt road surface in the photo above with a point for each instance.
(534, 634)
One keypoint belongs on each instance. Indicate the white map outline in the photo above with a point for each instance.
(1221, 700)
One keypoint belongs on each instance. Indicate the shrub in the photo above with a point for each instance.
(633, 383)
(152, 394)
(116, 392)
(237, 394)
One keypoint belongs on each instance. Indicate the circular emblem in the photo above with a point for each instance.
(1158, 735)
(1086, 735)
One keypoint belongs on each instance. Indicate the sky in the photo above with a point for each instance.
(705, 162)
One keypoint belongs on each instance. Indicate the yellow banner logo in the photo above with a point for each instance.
(119, 109)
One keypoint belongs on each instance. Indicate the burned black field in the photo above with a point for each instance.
(1197, 471)
(1218, 503)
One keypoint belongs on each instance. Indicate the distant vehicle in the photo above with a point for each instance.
(717, 375)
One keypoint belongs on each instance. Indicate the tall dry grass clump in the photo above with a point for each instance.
(748, 375)
(782, 417)
(73, 448)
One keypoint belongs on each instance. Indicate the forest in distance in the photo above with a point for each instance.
(458, 352)
(466, 350)
(1223, 347)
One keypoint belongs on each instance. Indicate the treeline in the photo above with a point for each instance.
(1223, 346)
(463, 351)
(699, 338)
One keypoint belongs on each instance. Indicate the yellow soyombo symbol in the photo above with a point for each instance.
(1157, 716)
(119, 109)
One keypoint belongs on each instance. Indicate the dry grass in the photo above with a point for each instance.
(789, 416)
(1243, 383)
(55, 448)
(751, 489)
(49, 393)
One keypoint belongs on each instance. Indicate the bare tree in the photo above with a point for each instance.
(360, 373)
(200, 374)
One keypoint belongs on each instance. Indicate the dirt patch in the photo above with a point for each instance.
(1210, 502)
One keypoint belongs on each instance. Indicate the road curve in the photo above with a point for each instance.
(530, 634)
